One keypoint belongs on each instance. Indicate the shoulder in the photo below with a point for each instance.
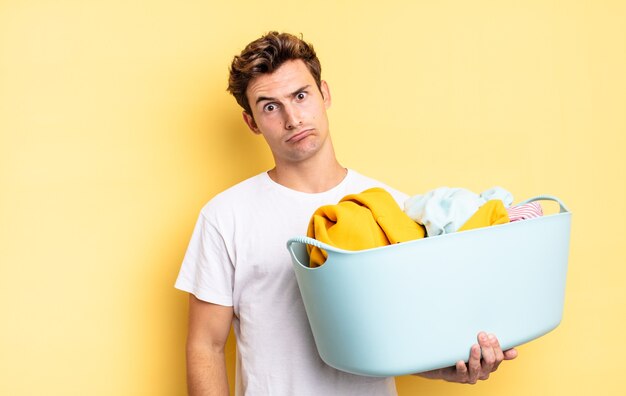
(234, 198)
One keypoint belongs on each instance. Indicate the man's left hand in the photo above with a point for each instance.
(484, 359)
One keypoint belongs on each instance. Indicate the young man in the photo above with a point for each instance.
(237, 269)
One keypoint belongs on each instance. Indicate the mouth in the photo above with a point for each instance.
(299, 136)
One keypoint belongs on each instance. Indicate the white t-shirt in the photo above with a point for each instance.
(237, 257)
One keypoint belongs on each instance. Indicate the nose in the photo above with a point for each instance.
(292, 118)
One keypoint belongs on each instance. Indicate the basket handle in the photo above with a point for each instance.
(562, 206)
(304, 240)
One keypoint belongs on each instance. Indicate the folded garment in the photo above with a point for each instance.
(525, 211)
(445, 210)
(361, 221)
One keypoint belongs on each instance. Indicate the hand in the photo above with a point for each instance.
(476, 369)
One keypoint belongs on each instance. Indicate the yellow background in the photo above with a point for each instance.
(115, 128)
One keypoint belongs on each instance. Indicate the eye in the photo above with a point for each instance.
(301, 95)
(270, 107)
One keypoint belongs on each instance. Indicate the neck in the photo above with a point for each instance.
(315, 175)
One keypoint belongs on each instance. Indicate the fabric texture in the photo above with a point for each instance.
(498, 193)
(491, 213)
(237, 257)
(526, 211)
(445, 210)
(366, 220)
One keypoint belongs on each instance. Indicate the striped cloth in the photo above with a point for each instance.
(525, 211)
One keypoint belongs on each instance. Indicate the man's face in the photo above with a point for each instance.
(290, 112)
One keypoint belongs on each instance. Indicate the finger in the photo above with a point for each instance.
(461, 372)
(495, 344)
(510, 354)
(488, 355)
(474, 364)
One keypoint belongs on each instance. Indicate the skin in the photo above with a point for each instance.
(289, 111)
(484, 359)
(209, 325)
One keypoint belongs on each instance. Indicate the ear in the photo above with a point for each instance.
(249, 120)
(325, 93)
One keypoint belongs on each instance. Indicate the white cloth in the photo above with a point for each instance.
(498, 193)
(445, 210)
(237, 256)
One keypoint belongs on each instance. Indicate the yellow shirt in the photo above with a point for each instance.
(491, 213)
(361, 221)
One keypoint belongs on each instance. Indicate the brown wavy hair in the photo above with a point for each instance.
(265, 55)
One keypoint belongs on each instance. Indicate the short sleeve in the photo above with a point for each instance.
(207, 270)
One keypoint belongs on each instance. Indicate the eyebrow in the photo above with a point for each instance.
(294, 93)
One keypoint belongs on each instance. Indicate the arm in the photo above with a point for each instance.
(209, 325)
(485, 357)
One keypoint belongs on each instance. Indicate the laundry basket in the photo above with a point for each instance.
(418, 305)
